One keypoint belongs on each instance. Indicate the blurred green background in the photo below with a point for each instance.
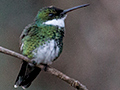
(91, 51)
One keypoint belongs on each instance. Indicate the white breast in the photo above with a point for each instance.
(47, 53)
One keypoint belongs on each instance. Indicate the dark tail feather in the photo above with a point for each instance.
(21, 74)
(30, 77)
(26, 75)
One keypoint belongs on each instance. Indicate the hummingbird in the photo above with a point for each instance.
(42, 42)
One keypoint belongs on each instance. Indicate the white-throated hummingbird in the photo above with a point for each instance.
(42, 42)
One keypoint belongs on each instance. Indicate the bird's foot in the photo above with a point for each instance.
(34, 63)
(45, 67)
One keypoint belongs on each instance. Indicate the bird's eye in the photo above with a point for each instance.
(50, 14)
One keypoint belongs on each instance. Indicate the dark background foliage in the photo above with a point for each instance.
(91, 51)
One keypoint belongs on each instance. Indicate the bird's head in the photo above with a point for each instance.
(51, 12)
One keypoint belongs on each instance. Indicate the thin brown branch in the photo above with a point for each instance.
(74, 83)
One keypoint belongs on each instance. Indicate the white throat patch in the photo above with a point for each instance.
(56, 22)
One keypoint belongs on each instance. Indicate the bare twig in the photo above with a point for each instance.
(74, 83)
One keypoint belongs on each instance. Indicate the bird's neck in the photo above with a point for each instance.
(55, 22)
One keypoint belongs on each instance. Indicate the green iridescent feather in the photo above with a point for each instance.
(34, 36)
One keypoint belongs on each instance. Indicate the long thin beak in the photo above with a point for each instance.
(74, 8)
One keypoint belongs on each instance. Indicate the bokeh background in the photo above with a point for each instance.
(91, 51)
